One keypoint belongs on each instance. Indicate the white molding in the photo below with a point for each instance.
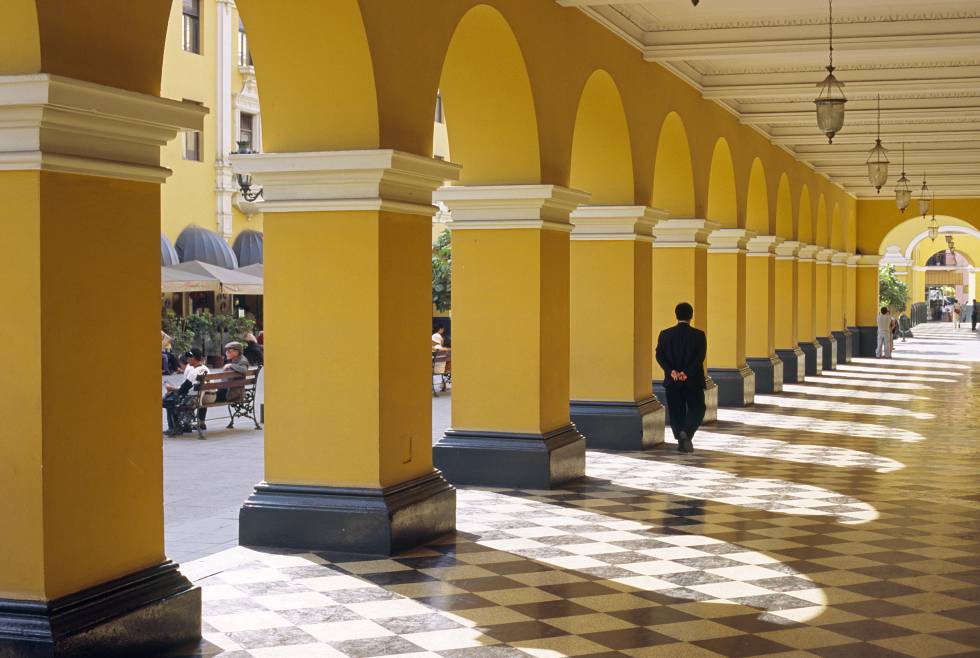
(224, 186)
(763, 245)
(632, 223)
(840, 258)
(379, 179)
(807, 252)
(852, 260)
(682, 233)
(729, 240)
(824, 255)
(788, 250)
(500, 207)
(53, 123)
(868, 260)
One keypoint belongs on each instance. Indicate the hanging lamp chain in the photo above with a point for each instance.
(831, 4)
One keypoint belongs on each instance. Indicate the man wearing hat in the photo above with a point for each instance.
(234, 362)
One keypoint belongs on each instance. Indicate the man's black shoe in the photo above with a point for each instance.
(682, 441)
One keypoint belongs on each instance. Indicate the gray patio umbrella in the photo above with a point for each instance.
(196, 243)
(248, 248)
(168, 255)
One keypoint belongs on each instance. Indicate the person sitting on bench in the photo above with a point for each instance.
(234, 362)
(193, 366)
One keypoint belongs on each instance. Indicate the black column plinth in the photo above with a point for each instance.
(768, 373)
(505, 459)
(736, 386)
(841, 338)
(147, 612)
(619, 425)
(813, 357)
(865, 341)
(381, 521)
(710, 400)
(829, 347)
(794, 365)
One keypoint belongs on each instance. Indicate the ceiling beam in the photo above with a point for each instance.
(850, 138)
(860, 170)
(809, 89)
(896, 115)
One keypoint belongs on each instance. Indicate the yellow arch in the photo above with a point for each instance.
(821, 235)
(784, 209)
(722, 197)
(602, 160)
(490, 114)
(836, 230)
(903, 234)
(757, 200)
(339, 110)
(673, 173)
(804, 231)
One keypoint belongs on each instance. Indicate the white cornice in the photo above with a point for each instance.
(824, 255)
(380, 179)
(840, 258)
(510, 206)
(728, 240)
(763, 245)
(53, 123)
(680, 233)
(634, 223)
(808, 252)
(788, 250)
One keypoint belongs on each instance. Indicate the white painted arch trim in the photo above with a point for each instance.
(947, 228)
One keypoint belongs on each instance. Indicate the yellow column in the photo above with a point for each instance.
(806, 318)
(348, 315)
(80, 456)
(850, 303)
(786, 313)
(866, 304)
(917, 288)
(611, 330)
(511, 424)
(726, 317)
(760, 313)
(838, 319)
(680, 274)
(821, 304)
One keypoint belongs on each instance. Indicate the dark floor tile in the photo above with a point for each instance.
(868, 629)
(739, 646)
(882, 589)
(487, 584)
(517, 566)
(455, 602)
(629, 638)
(522, 630)
(551, 609)
(773, 602)
(275, 587)
(576, 590)
(396, 577)
(875, 608)
(857, 650)
(653, 616)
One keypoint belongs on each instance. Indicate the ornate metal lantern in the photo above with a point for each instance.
(878, 159)
(903, 193)
(924, 198)
(830, 100)
(245, 180)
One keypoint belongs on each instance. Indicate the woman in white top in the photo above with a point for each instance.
(957, 312)
(438, 341)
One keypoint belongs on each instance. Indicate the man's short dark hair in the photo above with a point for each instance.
(193, 353)
(684, 312)
(884, 309)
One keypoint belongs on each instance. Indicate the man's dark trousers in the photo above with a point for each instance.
(685, 406)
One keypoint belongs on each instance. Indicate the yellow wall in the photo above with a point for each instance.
(786, 285)
(726, 310)
(876, 218)
(760, 305)
(805, 303)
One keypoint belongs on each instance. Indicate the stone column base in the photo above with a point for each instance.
(768, 373)
(813, 357)
(841, 338)
(710, 400)
(736, 386)
(865, 341)
(145, 613)
(381, 521)
(794, 365)
(507, 459)
(829, 346)
(632, 425)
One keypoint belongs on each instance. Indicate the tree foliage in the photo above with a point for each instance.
(442, 259)
(892, 291)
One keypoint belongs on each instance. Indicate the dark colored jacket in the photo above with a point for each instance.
(254, 354)
(239, 365)
(682, 348)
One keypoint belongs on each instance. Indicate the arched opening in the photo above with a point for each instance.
(722, 196)
(836, 230)
(804, 226)
(784, 209)
(340, 110)
(757, 200)
(490, 116)
(673, 174)
(602, 160)
(822, 234)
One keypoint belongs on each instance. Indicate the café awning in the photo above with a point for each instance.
(230, 282)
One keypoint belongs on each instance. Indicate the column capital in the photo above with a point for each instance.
(868, 260)
(676, 233)
(840, 258)
(615, 222)
(808, 252)
(852, 260)
(787, 250)
(728, 240)
(763, 245)
(510, 206)
(53, 123)
(824, 255)
(376, 179)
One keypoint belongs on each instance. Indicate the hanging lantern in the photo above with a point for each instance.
(830, 100)
(878, 159)
(924, 198)
(933, 230)
(903, 193)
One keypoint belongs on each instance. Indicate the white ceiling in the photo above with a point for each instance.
(762, 59)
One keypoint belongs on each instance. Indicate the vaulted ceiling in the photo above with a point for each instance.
(762, 59)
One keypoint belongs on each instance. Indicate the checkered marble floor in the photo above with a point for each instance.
(838, 518)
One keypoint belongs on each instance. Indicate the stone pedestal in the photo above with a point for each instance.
(769, 375)
(620, 425)
(794, 365)
(813, 357)
(736, 386)
(829, 348)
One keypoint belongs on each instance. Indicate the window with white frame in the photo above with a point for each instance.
(192, 26)
(244, 54)
(246, 130)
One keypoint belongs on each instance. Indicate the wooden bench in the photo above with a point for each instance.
(238, 396)
(441, 368)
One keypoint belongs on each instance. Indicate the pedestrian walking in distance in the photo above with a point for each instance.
(680, 352)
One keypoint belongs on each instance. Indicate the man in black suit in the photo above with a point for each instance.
(680, 352)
